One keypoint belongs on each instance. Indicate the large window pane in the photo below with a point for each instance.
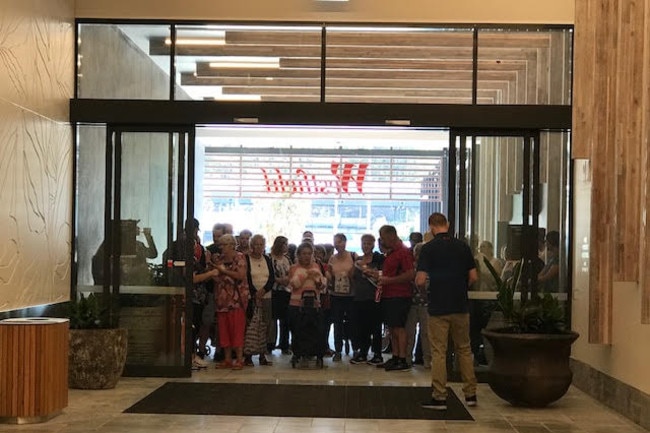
(406, 65)
(247, 63)
(524, 67)
(114, 62)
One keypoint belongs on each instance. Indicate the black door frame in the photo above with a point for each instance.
(184, 210)
(462, 200)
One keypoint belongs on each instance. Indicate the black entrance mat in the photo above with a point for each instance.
(313, 401)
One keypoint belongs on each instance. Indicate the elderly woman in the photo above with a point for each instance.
(231, 300)
(281, 292)
(339, 273)
(305, 276)
(261, 279)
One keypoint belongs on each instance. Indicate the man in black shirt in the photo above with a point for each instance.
(449, 266)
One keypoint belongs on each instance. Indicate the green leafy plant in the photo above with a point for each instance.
(88, 312)
(533, 313)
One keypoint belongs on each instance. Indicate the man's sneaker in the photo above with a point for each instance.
(336, 357)
(388, 363)
(434, 404)
(359, 359)
(470, 401)
(400, 365)
(376, 360)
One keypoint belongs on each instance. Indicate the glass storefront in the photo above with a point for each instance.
(403, 99)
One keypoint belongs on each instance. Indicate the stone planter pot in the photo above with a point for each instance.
(530, 369)
(97, 357)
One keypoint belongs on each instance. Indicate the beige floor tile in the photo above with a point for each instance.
(102, 411)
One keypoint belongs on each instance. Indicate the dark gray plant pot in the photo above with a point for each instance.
(530, 369)
(97, 357)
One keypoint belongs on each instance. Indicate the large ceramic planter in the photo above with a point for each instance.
(530, 369)
(97, 357)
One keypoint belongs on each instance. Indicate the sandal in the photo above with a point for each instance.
(223, 365)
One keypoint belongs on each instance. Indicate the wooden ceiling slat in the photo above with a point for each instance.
(379, 52)
(371, 91)
(248, 37)
(369, 39)
(489, 39)
(190, 79)
(429, 64)
(203, 70)
(401, 39)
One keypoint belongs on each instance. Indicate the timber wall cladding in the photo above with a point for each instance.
(610, 110)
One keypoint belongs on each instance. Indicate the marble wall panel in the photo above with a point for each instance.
(36, 82)
(35, 216)
(37, 55)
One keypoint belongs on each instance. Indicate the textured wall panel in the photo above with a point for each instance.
(37, 55)
(36, 197)
(36, 76)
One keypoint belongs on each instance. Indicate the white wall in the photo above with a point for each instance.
(423, 11)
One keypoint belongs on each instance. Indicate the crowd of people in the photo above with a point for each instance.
(249, 302)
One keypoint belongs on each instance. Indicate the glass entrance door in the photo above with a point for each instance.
(147, 201)
(494, 204)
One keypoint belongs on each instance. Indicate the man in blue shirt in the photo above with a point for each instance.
(451, 269)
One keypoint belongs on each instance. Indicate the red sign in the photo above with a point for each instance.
(302, 182)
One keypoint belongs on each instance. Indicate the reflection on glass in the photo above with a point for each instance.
(524, 66)
(116, 62)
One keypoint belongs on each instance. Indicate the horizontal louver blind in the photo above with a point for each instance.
(322, 174)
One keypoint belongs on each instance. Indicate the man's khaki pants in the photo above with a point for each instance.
(440, 327)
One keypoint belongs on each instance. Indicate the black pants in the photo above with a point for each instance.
(279, 306)
(366, 315)
(341, 311)
(479, 315)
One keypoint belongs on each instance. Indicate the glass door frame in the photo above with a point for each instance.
(184, 210)
(462, 187)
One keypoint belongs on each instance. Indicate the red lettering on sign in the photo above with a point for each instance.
(306, 183)
(346, 176)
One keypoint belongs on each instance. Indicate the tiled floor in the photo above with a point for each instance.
(101, 411)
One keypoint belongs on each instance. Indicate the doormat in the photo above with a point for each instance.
(312, 401)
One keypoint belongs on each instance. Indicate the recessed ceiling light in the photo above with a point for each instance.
(197, 41)
(257, 62)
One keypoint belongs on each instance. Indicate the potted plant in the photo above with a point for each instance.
(530, 366)
(97, 349)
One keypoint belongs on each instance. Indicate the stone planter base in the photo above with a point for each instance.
(97, 357)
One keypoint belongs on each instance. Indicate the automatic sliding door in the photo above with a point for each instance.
(495, 205)
(151, 200)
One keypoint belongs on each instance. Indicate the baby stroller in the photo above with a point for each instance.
(308, 343)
